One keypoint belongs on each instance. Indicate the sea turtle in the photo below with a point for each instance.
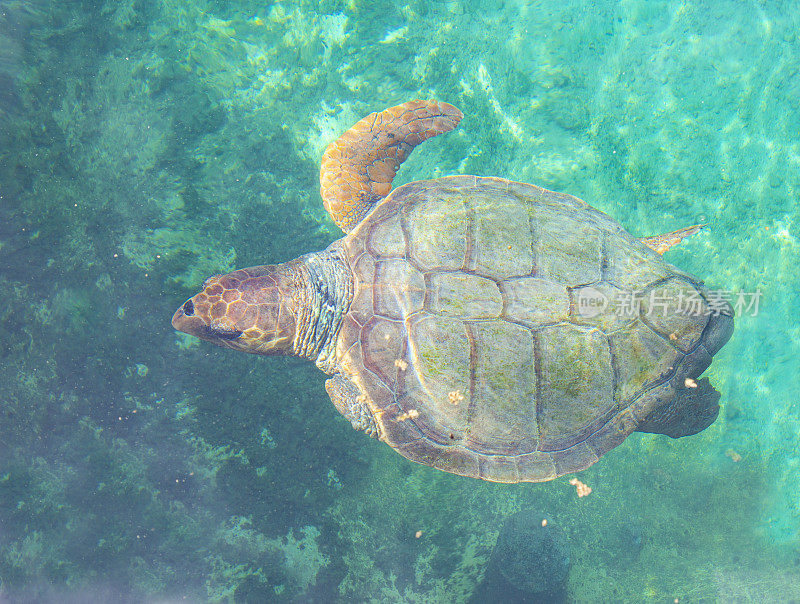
(481, 326)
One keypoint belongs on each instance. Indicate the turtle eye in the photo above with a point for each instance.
(188, 308)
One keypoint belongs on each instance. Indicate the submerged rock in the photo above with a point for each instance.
(530, 562)
(530, 556)
(624, 543)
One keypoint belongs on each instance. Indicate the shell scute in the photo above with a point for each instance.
(463, 295)
(643, 359)
(535, 302)
(439, 352)
(437, 229)
(677, 311)
(568, 251)
(504, 381)
(399, 289)
(537, 466)
(499, 468)
(386, 239)
(502, 237)
(577, 383)
(576, 458)
(383, 349)
(631, 266)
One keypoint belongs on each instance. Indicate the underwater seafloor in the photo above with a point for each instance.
(147, 145)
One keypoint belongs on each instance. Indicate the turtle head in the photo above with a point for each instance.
(252, 310)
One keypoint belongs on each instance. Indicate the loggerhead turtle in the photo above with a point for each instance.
(481, 326)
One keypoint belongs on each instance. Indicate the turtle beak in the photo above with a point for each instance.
(179, 319)
(191, 324)
(186, 320)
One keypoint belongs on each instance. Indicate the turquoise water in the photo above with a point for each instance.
(145, 146)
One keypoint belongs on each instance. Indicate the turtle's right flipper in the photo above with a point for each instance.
(691, 411)
(357, 169)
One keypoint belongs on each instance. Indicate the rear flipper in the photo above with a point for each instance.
(691, 411)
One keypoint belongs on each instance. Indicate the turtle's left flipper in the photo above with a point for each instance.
(691, 411)
(661, 243)
(357, 169)
(349, 402)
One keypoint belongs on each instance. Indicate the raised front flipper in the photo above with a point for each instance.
(357, 169)
(691, 411)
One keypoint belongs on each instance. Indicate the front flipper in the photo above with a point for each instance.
(357, 169)
(349, 402)
(691, 411)
(661, 243)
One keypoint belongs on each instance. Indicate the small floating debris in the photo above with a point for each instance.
(735, 457)
(582, 489)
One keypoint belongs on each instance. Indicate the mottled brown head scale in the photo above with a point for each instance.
(252, 310)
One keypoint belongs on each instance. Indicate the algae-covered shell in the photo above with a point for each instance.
(493, 330)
